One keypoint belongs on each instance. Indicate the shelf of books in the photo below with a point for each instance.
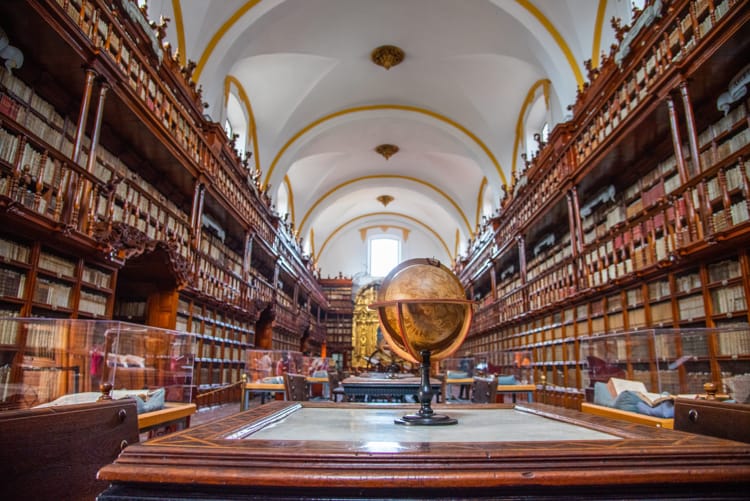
(635, 214)
(222, 338)
(36, 281)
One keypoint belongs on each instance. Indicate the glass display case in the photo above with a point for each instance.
(269, 366)
(506, 364)
(64, 361)
(674, 361)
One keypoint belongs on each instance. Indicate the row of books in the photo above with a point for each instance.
(12, 283)
(728, 122)
(691, 307)
(59, 265)
(716, 189)
(55, 294)
(729, 299)
(733, 343)
(130, 309)
(8, 329)
(97, 277)
(93, 302)
(719, 151)
(14, 251)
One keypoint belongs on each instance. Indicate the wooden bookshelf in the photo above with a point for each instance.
(634, 215)
(129, 222)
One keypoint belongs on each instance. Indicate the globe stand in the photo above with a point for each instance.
(425, 416)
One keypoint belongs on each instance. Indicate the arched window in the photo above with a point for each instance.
(237, 120)
(384, 255)
(545, 132)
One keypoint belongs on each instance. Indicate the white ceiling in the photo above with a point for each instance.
(320, 106)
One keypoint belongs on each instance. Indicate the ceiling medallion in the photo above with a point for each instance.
(385, 200)
(387, 56)
(387, 150)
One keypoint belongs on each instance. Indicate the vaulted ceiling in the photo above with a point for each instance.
(478, 77)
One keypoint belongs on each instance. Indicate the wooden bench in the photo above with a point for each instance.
(633, 417)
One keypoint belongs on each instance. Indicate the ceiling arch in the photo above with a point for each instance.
(459, 131)
(318, 105)
(461, 217)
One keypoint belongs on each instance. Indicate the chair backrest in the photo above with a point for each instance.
(333, 378)
(484, 390)
(296, 387)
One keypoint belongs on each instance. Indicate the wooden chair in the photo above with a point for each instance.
(296, 387)
(484, 390)
(334, 387)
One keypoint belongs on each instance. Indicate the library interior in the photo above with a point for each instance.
(297, 249)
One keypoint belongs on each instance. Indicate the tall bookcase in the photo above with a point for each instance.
(125, 201)
(635, 213)
(339, 319)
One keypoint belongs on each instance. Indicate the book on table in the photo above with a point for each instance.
(619, 385)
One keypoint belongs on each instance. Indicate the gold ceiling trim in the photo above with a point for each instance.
(395, 107)
(600, 12)
(384, 229)
(378, 214)
(526, 4)
(387, 176)
(387, 56)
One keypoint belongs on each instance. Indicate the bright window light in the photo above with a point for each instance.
(384, 256)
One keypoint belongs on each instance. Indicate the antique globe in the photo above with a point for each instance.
(424, 316)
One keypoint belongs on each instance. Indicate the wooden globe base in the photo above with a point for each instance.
(425, 416)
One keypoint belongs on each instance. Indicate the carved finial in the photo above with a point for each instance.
(591, 71)
(620, 29)
(106, 389)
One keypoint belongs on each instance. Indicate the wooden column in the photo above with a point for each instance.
(677, 141)
(85, 192)
(703, 209)
(196, 216)
(71, 186)
(573, 238)
(680, 158)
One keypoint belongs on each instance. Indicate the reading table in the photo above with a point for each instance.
(290, 450)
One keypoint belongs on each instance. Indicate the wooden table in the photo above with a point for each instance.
(378, 388)
(502, 389)
(173, 413)
(270, 452)
(265, 388)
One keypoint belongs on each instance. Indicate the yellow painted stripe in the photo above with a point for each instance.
(376, 214)
(482, 187)
(179, 26)
(386, 176)
(219, 35)
(400, 107)
(534, 10)
(290, 194)
(596, 49)
(252, 130)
